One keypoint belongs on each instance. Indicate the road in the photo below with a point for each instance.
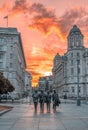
(67, 117)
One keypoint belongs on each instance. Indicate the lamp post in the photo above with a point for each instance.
(78, 97)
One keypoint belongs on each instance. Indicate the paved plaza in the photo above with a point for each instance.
(67, 117)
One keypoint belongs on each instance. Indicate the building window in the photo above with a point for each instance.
(1, 48)
(71, 54)
(10, 75)
(78, 70)
(11, 55)
(11, 65)
(78, 62)
(77, 43)
(72, 71)
(71, 62)
(11, 38)
(11, 47)
(78, 54)
(1, 56)
(73, 89)
(1, 40)
(79, 89)
(1, 65)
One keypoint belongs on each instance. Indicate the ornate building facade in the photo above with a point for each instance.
(12, 60)
(71, 70)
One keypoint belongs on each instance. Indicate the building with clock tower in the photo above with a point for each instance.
(71, 70)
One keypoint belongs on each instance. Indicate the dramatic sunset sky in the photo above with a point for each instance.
(44, 26)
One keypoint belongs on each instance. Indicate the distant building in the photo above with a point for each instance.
(49, 82)
(71, 69)
(12, 60)
(28, 82)
(46, 83)
(42, 83)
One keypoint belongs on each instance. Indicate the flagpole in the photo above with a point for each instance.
(7, 22)
(6, 17)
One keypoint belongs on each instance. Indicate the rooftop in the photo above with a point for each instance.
(8, 30)
(75, 30)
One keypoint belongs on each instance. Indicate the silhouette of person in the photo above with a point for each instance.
(55, 99)
(48, 101)
(41, 101)
(35, 96)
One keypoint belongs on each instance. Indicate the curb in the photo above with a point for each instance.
(5, 111)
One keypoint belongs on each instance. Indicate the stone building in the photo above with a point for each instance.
(28, 82)
(42, 83)
(12, 60)
(46, 83)
(71, 70)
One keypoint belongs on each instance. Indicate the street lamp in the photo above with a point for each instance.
(78, 97)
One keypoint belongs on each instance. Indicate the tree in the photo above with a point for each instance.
(5, 85)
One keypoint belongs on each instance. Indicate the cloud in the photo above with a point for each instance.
(42, 11)
(44, 18)
(34, 73)
(15, 7)
(55, 29)
(19, 6)
(60, 25)
(72, 17)
(47, 22)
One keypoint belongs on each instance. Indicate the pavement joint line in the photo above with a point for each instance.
(14, 124)
(84, 122)
(38, 123)
(63, 124)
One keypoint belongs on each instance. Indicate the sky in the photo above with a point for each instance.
(44, 27)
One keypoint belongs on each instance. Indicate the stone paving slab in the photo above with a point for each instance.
(67, 117)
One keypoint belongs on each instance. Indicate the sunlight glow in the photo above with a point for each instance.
(47, 73)
(34, 50)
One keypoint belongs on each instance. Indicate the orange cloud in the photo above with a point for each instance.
(20, 6)
(60, 26)
(47, 22)
(54, 30)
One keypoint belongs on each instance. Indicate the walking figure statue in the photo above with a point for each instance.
(35, 96)
(41, 101)
(48, 101)
(55, 99)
